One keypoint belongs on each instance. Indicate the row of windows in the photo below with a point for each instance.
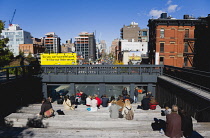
(77, 45)
(143, 33)
(161, 61)
(186, 47)
(162, 33)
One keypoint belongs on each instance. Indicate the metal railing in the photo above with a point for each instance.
(103, 69)
(196, 78)
(10, 73)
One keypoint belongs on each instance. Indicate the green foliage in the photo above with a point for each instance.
(13, 70)
(21, 53)
(29, 55)
(5, 55)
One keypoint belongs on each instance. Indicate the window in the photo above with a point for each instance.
(162, 33)
(161, 47)
(161, 60)
(144, 33)
(185, 62)
(185, 47)
(187, 33)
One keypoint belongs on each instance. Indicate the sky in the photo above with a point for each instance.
(67, 18)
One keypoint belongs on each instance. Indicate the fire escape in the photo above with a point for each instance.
(188, 50)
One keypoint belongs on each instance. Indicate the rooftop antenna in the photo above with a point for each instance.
(10, 22)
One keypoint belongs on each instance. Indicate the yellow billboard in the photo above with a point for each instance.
(59, 59)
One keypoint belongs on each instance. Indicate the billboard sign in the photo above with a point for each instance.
(135, 56)
(59, 59)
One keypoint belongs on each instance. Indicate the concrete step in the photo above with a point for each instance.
(80, 133)
(82, 123)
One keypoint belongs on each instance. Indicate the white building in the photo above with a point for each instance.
(134, 46)
(16, 36)
(137, 49)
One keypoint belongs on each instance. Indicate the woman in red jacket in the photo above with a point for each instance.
(153, 103)
(98, 100)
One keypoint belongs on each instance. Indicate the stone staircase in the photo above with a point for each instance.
(81, 123)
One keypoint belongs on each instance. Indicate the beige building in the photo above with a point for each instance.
(133, 31)
(68, 47)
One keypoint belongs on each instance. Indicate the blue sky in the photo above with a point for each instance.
(67, 18)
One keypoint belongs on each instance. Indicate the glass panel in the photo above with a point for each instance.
(88, 89)
(116, 90)
(161, 33)
(55, 91)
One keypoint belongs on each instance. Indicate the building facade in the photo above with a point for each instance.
(16, 36)
(68, 47)
(52, 43)
(133, 31)
(85, 46)
(171, 41)
(202, 44)
(114, 49)
(33, 49)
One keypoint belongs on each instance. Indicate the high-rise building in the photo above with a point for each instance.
(52, 43)
(171, 41)
(202, 44)
(133, 31)
(16, 36)
(85, 46)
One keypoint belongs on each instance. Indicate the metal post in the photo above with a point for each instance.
(102, 89)
(150, 89)
(72, 88)
(132, 86)
(44, 90)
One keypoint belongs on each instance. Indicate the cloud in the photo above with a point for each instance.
(172, 8)
(169, 2)
(155, 13)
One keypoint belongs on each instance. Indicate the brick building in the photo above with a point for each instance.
(32, 49)
(171, 41)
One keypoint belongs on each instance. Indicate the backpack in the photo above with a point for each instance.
(129, 115)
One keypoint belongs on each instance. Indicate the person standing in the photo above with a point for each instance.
(124, 91)
(173, 123)
(136, 95)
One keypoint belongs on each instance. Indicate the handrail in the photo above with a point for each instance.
(197, 111)
(193, 77)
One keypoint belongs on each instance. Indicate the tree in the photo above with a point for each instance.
(5, 54)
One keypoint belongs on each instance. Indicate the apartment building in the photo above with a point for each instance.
(171, 41)
(16, 36)
(52, 43)
(85, 46)
(133, 31)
